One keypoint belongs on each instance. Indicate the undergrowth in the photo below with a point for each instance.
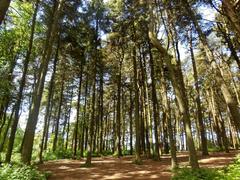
(20, 172)
(230, 172)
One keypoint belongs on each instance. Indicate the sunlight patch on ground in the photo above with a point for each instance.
(214, 159)
(63, 167)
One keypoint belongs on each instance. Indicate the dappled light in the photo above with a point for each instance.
(107, 168)
(119, 89)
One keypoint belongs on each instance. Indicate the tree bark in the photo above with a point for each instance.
(38, 91)
(229, 99)
(181, 98)
(78, 112)
(21, 88)
(136, 104)
(198, 101)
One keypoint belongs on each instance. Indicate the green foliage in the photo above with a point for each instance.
(231, 172)
(107, 153)
(196, 174)
(126, 152)
(20, 172)
(58, 154)
(68, 154)
(213, 148)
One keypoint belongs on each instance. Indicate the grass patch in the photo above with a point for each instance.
(21, 172)
(196, 174)
(231, 172)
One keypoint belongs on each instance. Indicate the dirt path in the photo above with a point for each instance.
(109, 168)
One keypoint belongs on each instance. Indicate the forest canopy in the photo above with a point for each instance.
(83, 78)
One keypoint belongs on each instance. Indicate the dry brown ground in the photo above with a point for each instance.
(110, 168)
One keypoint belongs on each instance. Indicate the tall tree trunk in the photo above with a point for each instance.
(136, 103)
(154, 104)
(56, 133)
(229, 98)
(48, 108)
(84, 133)
(38, 91)
(91, 123)
(147, 118)
(167, 119)
(68, 121)
(78, 112)
(21, 88)
(118, 115)
(131, 121)
(4, 133)
(198, 101)
(229, 43)
(181, 96)
(101, 93)
(232, 14)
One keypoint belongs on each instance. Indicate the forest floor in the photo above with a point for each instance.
(110, 168)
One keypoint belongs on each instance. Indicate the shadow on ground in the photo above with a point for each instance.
(110, 168)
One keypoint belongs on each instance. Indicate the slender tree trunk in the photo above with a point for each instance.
(21, 88)
(84, 133)
(91, 123)
(131, 121)
(48, 108)
(146, 107)
(68, 122)
(198, 101)
(154, 104)
(78, 112)
(101, 110)
(181, 96)
(229, 99)
(167, 119)
(136, 113)
(118, 114)
(38, 91)
(56, 133)
(5, 131)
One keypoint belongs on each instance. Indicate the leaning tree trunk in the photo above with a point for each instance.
(38, 91)
(181, 96)
(232, 14)
(229, 98)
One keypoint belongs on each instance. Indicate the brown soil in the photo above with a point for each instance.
(110, 168)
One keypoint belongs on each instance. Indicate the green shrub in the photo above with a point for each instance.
(196, 174)
(20, 172)
(231, 172)
(58, 154)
